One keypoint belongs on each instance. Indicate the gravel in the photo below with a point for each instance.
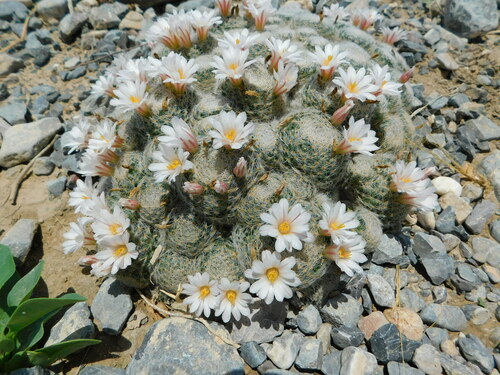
(19, 239)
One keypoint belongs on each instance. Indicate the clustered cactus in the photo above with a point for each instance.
(245, 155)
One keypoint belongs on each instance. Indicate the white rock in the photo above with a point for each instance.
(445, 185)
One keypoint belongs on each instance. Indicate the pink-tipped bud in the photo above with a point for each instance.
(189, 142)
(192, 188)
(341, 114)
(241, 167)
(406, 76)
(86, 260)
(131, 204)
(224, 7)
(220, 187)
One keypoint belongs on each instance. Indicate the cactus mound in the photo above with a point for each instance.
(290, 157)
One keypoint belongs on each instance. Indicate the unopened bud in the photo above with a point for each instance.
(220, 187)
(86, 260)
(192, 188)
(241, 167)
(131, 204)
(341, 114)
(406, 76)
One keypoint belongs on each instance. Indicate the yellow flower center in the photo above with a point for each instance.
(233, 67)
(231, 296)
(120, 251)
(204, 291)
(352, 139)
(406, 180)
(174, 164)
(238, 41)
(344, 254)
(181, 74)
(134, 99)
(328, 60)
(231, 134)
(115, 228)
(352, 87)
(272, 274)
(383, 84)
(336, 225)
(284, 227)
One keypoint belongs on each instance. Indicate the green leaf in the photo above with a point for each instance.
(24, 287)
(6, 345)
(29, 336)
(46, 356)
(31, 310)
(18, 360)
(8, 267)
(6, 311)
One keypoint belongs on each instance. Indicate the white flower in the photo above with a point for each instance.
(103, 136)
(231, 65)
(336, 13)
(364, 17)
(203, 21)
(99, 270)
(408, 177)
(110, 224)
(356, 84)
(78, 236)
(82, 195)
(423, 199)
(260, 12)
(93, 164)
(232, 300)
(174, 31)
(284, 51)
(170, 162)
(230, 130)
(131, 96)
(104, 85)
(98, 204)
(391, 36)
(180, 134)
(160, 32)
(78, 136)
(134, 70)
(286, 78)
(202, 294)
(336, 222)
(357, 138)
(289, 226)
(118, 253)
(274, 277)
(238, 40)
(347, 255)
(382, 79)
(329, 59)
(179, 72)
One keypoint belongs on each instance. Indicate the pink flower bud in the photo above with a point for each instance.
(189, 142)
(241, 167)
(341, 114)
(192, 188)
(86, 260)
(406, 76)
(220, 187)
(131, 204)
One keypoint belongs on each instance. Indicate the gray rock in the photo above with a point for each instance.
(432, 36)
(486, 251)
(310, 356)
(56, 187)
(439, 267)
(263, 325)
(381, 290)
(444, 316)
(343, 336)
(474, 351)
(112, 306)
(252, 353)
(182, 346)
(285, 349)
(331, 363)
(424, 244)
(470, 18)
(396, 368)
(472, 191)
(73, 74)
(50, 92)
(388, 344)
(342, 310)
(13, 11)
(436, 335)
(42, 56)
(411, 300)
(39, 106)
(490, 168)
(445, 222)
(309, 320)
(107, 16)
(452, 366)
(9, 64)
(101, 370)
(22, 142)
(52, 9)
(19, 239)
(75, 324)
(427, 359)
(477, 315)
(439, 293)
(446, 62)
(388, 251)
(357, 361)
(484, 128)
(480, 215)
(456, 100)
(43, 166)
(37, 370)
(71, 25)
(15, 112)
(495, 230)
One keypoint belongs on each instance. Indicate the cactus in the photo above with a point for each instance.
(291, 156)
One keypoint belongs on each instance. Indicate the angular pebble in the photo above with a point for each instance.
(331, 363)
(388, 344)
(285, 349)
(343, 336)
(462, 208)
(309, 320)
(397, 368)
(342, 310)
(75, 324)
(484, 128)
(449, 317)
(474, 351)
(427, 359)
(19, 239)
(310, 356)
(357, 361)
(101, 370)
(407, 321)
(370, 323)
(479, 216)
(252, 353)
(439, 267)
(9, 64)
(381, 290)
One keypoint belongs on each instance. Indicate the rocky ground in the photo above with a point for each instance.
(428, 301)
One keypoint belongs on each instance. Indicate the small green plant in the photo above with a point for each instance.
(22, 319)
